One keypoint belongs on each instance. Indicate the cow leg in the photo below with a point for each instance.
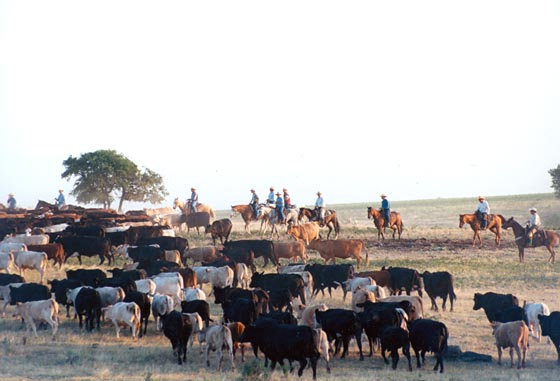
(383, 354)
(394, 358)
(406, 353)
(499, 355)
(417, 354)
(220, 358)
(444, 302)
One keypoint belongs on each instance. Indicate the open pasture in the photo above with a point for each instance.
(431, 241)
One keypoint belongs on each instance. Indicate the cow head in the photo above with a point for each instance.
(477, 301)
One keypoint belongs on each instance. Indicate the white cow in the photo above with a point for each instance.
(243, 275)
(41, 311)
(6, 261)
(110, 295)
(220, 276)
(36, 239)
(35, 260)
(202, 276)
(170, 285)
(161, 305)
(146, 286)
(127, 314)
(350, 285)
(193, 293)
(217, 338)
(532, 311)
(307, 314)
(197, 326)
(12, 246)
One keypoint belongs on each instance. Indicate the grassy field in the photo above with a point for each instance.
(431, 241)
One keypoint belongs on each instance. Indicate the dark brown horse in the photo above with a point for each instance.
(546, 238)
(331, 220)
(395, 222)
(495, 222)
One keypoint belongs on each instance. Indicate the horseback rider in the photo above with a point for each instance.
(386, 209)
(60, 201)
(270, 198)
(287, 200)
(254, 202)
(533, 225)
(280, 207)
(482, 212)
(193, 201)
(320, 208)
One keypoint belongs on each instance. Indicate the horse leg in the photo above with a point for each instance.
(552, 254)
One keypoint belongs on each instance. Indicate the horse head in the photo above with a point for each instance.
(369, 213)
(176, 203)
(461, 220)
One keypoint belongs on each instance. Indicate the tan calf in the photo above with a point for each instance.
(305, 232)
(290, 250)
(40, 310)
(329, 250)
(512, 335)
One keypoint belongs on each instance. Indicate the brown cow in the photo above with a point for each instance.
(513, 335)
(220, 229)
(329, 250)
(55, 251)
(305, 232)
(381, 277)
(201, 254)
(290, 250)
(237, 329)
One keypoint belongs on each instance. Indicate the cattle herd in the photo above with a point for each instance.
(162, 281)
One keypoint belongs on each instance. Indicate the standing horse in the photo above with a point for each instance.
(495, 222)
(199, 208)
(395, 222)
(331, 220)
(546, 238)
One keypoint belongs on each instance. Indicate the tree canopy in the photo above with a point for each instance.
(103, 176)
(555, 173)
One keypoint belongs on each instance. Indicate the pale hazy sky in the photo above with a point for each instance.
(416, 99)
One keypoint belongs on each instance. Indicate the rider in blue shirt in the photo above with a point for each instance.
(280, 207)
(386, 209)
(60, 201)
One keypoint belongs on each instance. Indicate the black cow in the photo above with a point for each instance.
(340, 325)
(88, 277)
(6, 279)
(228, 294)
(144, 302)
(260, 247)
(138, 233)
(292, 282)
(428, 335)
(219, 229)
(281, 342)
(329, 276)
(280, 299)
(200, 306)
(241, 310)
(280, 317)
(118, 238)
(145, 253)
(177, 328)
(156, 267)
(59, 288)
(514, 313)
(128, 274)
(29, 292)
(551, 327)
(393, 338)
(88, 230)
(88, 303)
(492, 302)
(241, 255)
(439, 284)
(166, 243)
(88, 246)
(406, 279)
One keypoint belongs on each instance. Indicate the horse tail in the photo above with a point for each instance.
(211, 212)
(336, 226)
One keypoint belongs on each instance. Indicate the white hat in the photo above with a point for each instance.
(383, 195)
(533, 210)
(481, 198)
(319, 192)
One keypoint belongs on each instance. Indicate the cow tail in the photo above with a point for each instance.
(444, 334)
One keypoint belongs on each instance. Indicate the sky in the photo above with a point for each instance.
(415, 99)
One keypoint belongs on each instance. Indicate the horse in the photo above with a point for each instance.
(546, 238)
(395, 222)
(199, 208)
(331, 220)
(495, 222)
(246, 212)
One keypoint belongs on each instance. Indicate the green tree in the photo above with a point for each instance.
(103, 176)
(555, 173)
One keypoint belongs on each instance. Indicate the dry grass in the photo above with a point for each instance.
(432, 241)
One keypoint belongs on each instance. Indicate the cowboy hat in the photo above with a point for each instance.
(278, 193)
(319, 192)
(481, 197)
(533, 210)
(11, 195)
(383, 195)
(252, 190)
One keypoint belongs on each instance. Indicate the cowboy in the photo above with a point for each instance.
(320, 208)
(533, 225)
(193, 201)
(482, 212)
(60, 201)
(287, 200)
(280, 207)
(254, 202)
(11, 202)
(386, 209)
(270, 199)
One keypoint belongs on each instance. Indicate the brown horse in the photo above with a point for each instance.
(395, 222)
(246, 212)
(495, 222)
(546, 238)
(331, 220)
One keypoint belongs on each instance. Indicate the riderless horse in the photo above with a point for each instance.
(546, 238)
(395, 222)
(495, 222)
(186, 208)
(331, 220)
(246, 212)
